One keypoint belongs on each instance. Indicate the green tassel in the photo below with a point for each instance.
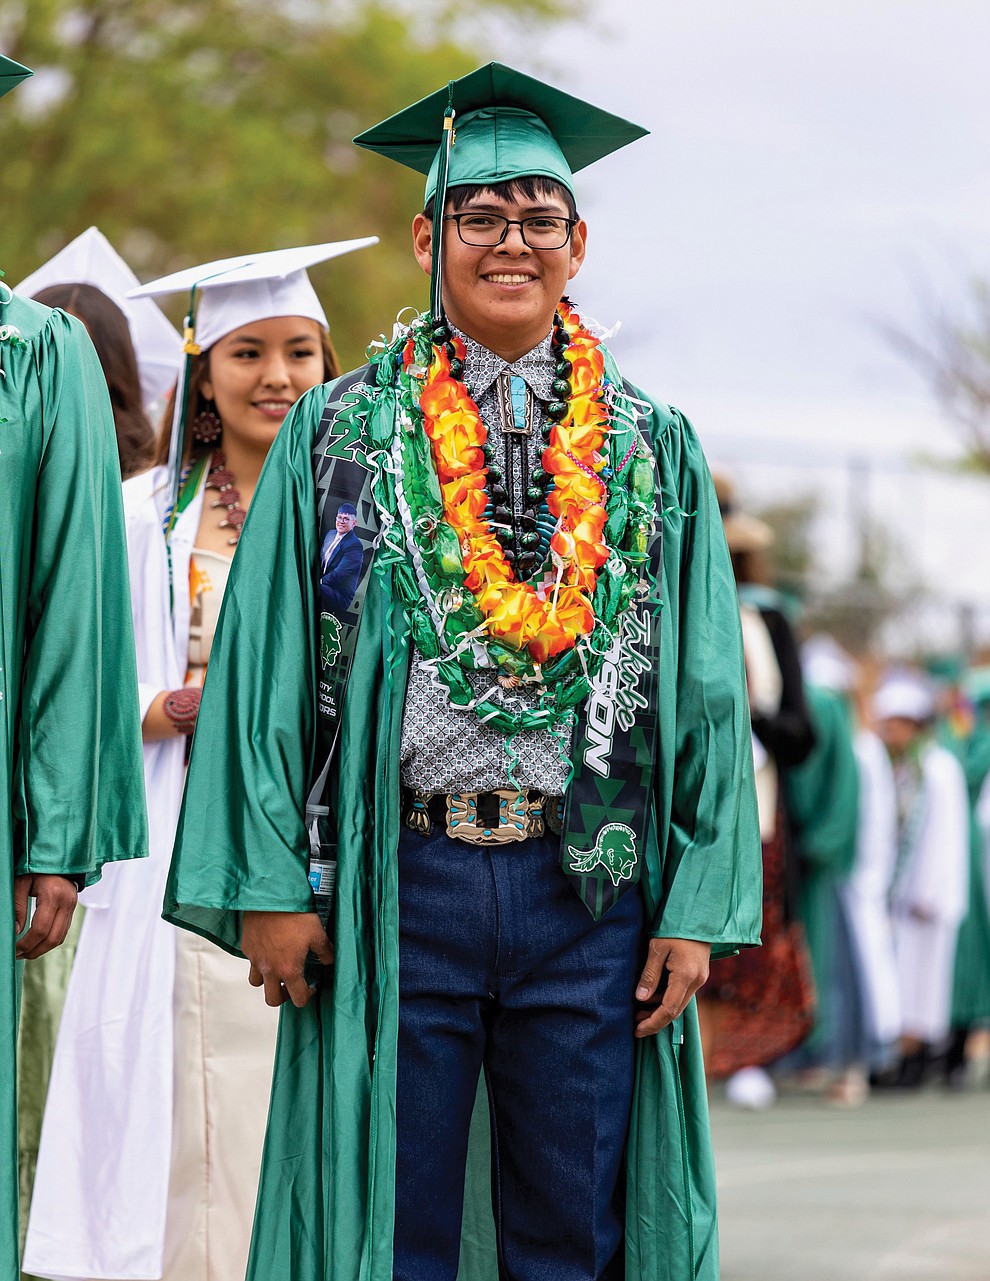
(177, 447)
(439, 205)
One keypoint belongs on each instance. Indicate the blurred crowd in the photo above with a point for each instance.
(873, 783)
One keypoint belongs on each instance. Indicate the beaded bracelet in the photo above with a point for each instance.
(181, 706)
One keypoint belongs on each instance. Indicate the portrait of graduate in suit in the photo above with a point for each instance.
(341, 561)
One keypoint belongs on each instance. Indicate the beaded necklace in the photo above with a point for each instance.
(528, 614)
(221, 478)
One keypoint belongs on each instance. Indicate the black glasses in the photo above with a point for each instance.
(485, 230)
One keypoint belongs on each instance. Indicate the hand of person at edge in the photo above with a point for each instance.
(684, 965)
(55, 901)
(277, 944)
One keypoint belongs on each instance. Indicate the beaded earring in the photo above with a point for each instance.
(206, 426)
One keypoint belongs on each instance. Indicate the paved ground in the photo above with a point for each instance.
(898, 1190)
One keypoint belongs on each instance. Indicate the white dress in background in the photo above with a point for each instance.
(151, 1145)
(863, 893)
(932, 882)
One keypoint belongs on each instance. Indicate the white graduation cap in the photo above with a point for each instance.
(904, 695)
(91, 259)
(236, 291)
(231, 292)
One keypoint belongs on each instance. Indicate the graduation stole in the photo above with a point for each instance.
(607, 806)
(342, 475)
(361, 455)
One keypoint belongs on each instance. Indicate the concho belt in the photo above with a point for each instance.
(483, 818)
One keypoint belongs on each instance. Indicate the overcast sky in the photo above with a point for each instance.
(813, 168)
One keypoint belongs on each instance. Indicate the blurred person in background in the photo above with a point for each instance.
(822, 803)
(69, 730)
(153, 1130)
(968, 1053)
(930, 885)
(139, 349)
(859, 1010)
(980, 1052)
(108, 328)
(759, 1005)
(66, 282)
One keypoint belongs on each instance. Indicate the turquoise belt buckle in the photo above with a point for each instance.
(519, 818)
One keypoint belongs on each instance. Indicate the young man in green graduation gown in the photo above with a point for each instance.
(531, 747)
(70, 739)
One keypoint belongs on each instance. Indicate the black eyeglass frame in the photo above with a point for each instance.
(511, 222)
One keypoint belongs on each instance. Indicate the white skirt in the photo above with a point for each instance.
(926, 953)
(224, 1052)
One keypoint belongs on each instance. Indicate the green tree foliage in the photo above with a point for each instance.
(194, 129)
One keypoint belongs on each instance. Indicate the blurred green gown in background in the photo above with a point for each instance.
(823, 792)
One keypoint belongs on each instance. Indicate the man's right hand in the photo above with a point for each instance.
(55, 901)
(277, 944)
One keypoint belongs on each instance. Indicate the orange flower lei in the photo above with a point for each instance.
(545, 619)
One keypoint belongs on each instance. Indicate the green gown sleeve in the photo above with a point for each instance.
(705, 793)
(79, 792)
(241, 843)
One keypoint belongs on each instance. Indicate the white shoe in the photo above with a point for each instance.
(751, 1087)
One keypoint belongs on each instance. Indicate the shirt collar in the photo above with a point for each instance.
(482, 367)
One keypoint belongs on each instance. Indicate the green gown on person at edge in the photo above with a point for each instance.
(70, 735)
(325, 1205)
(823, 797)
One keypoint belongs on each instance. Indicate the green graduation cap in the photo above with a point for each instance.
(11, 74)
(492, 126)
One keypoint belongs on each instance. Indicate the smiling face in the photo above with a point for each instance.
(345, 522)
(258, 372)
(503, 296)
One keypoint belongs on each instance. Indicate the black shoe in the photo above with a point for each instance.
(953, 1066)
(886, 1079)
(912, 1070)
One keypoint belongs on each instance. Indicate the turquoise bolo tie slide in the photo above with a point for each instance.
(515, 406)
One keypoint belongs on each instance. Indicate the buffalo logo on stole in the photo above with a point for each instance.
(614, 850)
(329, 640)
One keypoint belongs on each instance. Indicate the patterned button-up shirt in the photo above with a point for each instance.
(443, 748)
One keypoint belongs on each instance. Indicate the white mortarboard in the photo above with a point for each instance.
(231, 292)
(826, 664)
(236, 291)
(90, 259)
(905, 695)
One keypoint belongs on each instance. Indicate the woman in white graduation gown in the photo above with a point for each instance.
(930, 887)
(153, 1131)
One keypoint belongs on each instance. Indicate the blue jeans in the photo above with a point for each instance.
(502, 969)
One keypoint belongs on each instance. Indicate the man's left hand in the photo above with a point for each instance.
(55, 901)
(684, 962)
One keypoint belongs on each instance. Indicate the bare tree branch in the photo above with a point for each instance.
(953, 354)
